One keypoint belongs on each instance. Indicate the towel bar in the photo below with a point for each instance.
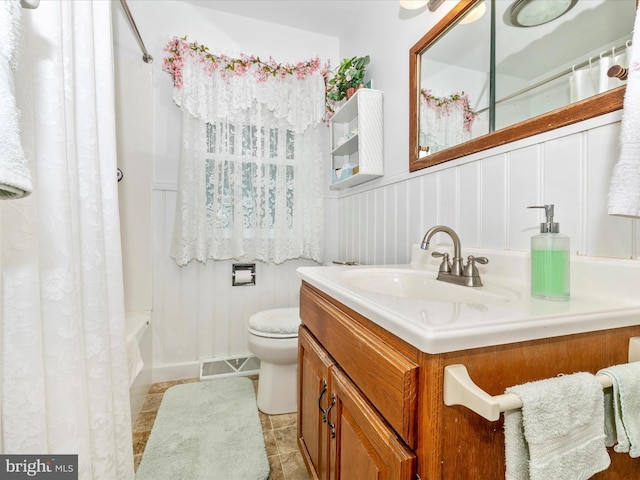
(459, 389)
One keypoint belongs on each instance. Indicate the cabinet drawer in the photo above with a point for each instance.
(387, 378)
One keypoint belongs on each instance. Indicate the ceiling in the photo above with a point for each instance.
(327, 17)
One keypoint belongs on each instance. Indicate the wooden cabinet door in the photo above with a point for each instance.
(313, 402)
(363, 446)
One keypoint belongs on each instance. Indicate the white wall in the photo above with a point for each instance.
(196, 312)
(134, 129)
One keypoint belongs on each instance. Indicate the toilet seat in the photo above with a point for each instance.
(275, 323)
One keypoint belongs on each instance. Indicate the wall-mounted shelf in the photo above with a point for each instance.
(459, 389)
(357, 140)
(348, 147)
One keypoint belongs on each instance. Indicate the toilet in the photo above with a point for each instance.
(273, 338)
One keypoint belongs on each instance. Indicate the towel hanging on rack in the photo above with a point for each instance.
(15, 178)
(558, 433)
(459, 389)
(622, 407)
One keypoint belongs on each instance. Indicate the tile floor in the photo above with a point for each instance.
(279, 433)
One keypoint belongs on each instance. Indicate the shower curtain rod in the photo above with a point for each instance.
(31, 4)
(561, 74)
(145, 54)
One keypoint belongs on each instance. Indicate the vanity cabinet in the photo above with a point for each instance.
(341, 433)
(356, 140)
(385, 412)
(313, 379)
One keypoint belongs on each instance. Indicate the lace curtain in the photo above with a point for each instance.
(250, 182)
(444, 121)
(63, 361)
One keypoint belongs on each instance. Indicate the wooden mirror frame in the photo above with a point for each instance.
(576, 112)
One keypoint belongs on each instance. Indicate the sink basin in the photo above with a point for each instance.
(437, 317)
(422, 285)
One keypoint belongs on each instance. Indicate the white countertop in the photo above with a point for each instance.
(605, 294)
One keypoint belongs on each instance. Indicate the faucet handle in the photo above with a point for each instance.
(470, 269)
(482, 260)
(445, 266)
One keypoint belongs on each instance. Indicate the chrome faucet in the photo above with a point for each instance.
(454, 272)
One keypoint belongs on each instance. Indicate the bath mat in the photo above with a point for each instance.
(206, 431)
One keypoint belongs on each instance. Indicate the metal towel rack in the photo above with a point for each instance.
(459, 389)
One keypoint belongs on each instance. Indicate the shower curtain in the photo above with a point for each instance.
(592, 79)
(63, 362)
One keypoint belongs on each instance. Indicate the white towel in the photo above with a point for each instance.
(624, 188)
(559, 432)
(15, 178)
(622, 408)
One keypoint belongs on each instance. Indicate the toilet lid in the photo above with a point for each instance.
(278, 321)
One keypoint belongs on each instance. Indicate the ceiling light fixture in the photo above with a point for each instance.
(416, 4)
(531, 13)
(475, 13)
(413, 4)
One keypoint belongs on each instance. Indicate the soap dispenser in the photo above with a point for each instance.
(550, 271)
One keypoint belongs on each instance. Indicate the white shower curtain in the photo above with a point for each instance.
(63, 363)
(593, 79)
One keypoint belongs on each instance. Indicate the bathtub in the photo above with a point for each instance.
(139, 348)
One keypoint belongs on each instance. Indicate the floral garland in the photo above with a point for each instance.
(444, 105)
(179, 49)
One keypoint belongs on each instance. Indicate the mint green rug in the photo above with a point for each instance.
(206, 431)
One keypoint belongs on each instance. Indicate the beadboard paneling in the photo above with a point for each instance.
(493, 227)
(485, 201)
(606, 235)
(523, 182)
(198, 313)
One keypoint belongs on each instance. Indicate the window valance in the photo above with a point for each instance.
(212, 87)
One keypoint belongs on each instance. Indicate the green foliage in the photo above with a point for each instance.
(349, 74)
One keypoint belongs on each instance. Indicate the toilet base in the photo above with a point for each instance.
(277, 388)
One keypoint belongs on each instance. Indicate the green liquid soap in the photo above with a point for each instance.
(550, 275)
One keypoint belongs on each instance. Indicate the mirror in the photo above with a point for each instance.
(517, 70)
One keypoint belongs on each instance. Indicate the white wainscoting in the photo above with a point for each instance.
(485, 201)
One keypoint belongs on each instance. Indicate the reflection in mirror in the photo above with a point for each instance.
(454, 85)
(494, 71)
